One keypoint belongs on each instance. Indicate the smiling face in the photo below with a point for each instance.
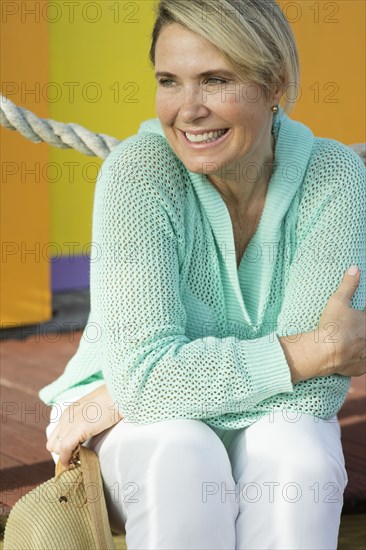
(211, 120)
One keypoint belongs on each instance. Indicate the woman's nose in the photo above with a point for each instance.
(192, 104)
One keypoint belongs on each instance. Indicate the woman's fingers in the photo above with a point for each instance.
(62, 441)
(65, 453)
(63, 446)
(348, 285)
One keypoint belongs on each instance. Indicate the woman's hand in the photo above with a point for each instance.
(338, 346)
(344, 331)
(84, 418)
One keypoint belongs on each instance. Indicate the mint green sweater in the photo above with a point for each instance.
(176, 330)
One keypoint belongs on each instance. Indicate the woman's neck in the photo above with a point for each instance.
(247, 194)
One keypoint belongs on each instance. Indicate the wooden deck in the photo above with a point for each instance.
(27, 365)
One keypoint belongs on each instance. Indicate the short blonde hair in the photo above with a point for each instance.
(253, 35)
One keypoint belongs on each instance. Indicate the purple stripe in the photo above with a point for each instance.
(69, 273)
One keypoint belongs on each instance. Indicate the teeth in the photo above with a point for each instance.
(207, 137)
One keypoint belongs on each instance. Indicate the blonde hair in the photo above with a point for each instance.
(254, 37)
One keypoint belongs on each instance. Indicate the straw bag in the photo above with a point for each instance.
(67, 512)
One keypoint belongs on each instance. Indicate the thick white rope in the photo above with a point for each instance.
(71, 135)
(360, 149)
(58, 134)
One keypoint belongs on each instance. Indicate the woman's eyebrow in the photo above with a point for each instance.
(213, 72)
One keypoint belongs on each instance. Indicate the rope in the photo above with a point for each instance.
(58, 134)
(71, 135)
(360, 149)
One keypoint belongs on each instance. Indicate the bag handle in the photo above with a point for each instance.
(88, 461)
(75, 459)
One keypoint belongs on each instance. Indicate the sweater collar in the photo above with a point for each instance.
(247, 287)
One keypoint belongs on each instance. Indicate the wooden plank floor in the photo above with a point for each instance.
(352, 534)
(28, 364)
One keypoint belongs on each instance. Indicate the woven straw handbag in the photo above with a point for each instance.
(67, 512)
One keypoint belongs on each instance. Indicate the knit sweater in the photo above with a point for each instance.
(176, 329)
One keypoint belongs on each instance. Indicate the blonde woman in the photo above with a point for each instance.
(227, 306)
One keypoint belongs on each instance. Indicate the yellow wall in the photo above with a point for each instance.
(107, 63)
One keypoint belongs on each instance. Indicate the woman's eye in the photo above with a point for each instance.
(165, 82)
(215, 80)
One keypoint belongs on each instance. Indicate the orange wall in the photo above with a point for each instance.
(25, 293)
(331, 41)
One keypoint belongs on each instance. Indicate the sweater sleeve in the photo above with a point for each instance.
(327, 230)
(330, 237)
(152, 369)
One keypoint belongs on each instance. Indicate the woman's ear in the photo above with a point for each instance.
(279, 89)
(276, 91)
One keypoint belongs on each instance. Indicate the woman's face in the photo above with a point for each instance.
(210, 119)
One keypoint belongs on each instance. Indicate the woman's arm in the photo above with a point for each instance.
(305, 358)
(317, 354)
(330, 237)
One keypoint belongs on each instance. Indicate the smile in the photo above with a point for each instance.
(213, 136)
(207, 137)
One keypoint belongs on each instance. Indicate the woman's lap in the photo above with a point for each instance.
(181, 484)
(289, 470)
(158, 479)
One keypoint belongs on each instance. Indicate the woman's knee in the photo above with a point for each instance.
(312, 450)
(185, 446)
(298, 447)
(168, 448)
(173, 467)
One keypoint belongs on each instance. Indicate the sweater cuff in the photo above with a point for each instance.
(268, 369)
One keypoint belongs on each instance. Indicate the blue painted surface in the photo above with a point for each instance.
(69, 273)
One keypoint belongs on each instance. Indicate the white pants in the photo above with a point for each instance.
(179, 484)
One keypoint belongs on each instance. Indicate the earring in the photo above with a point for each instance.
(275, 108)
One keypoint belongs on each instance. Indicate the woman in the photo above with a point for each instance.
(224, 328)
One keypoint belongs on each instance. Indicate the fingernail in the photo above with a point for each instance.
(353, 270)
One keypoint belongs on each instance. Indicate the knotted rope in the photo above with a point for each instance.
(58, 134)
(71, 135)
